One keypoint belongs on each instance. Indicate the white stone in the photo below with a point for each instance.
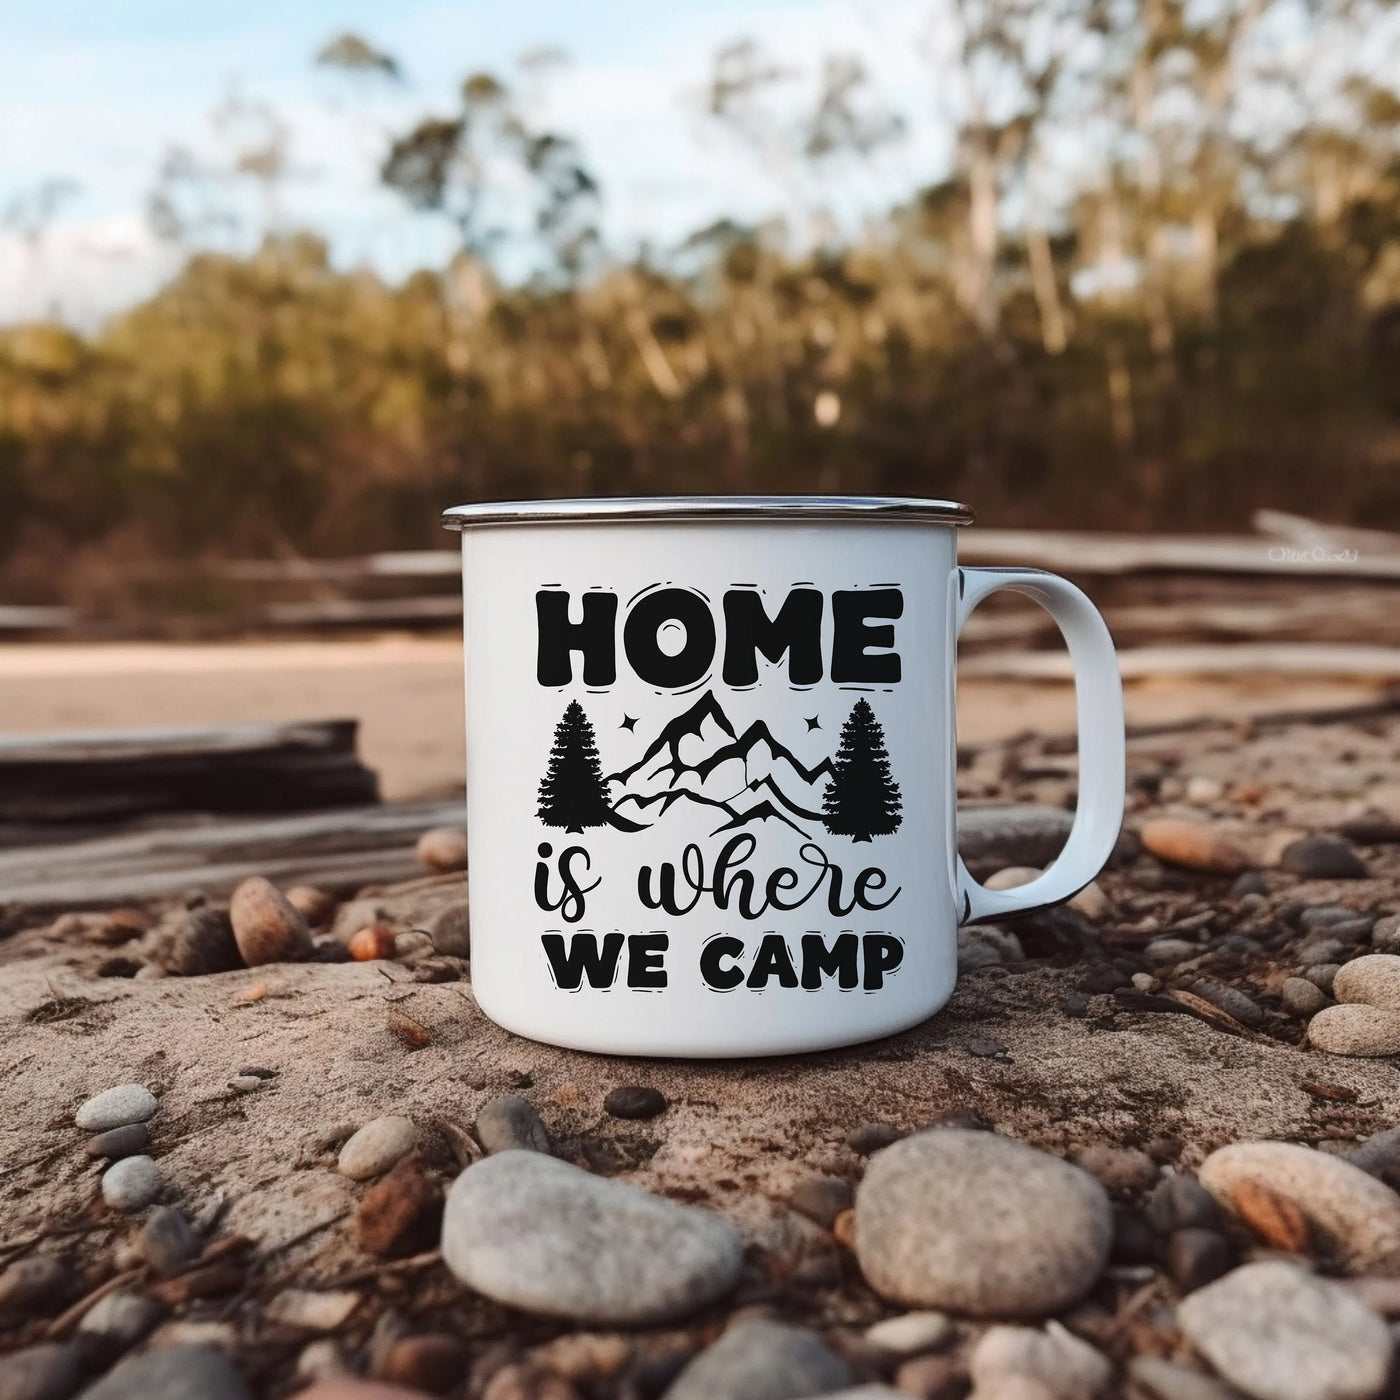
(115, 1108)
(131, 1184)
(911, 1333)
(1068, 1368)
(376, 1147)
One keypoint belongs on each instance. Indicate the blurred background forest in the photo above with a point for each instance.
(1157, 285)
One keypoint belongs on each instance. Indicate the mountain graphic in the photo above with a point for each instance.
(684, 778)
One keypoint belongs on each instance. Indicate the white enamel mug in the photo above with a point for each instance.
(711, 767)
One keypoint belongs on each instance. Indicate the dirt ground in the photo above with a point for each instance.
(407, 693)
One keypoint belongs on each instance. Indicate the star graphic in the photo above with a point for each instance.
(628, 723)
(812, 724)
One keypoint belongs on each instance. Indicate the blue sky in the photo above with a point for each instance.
(96, 93)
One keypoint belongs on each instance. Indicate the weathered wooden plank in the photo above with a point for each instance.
(1242, 658)
(365, 612)
(340, 850)
(102, 775)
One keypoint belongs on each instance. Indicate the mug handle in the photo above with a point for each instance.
(1102, 742)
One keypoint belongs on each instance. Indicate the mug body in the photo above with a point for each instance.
(710, 777)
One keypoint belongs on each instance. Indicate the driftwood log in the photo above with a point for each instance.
(106, 776)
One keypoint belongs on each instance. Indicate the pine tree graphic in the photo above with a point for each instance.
(861, 799)
(573, 794)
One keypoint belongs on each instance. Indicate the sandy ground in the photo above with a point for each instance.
(407, 693)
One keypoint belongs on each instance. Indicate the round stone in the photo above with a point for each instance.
(166, 1241)
(1323, 858)
(1385, 934)
(131, 1184)
(376, 1147)
(124, 1317)
(115, 1108)
(1301, 997)
(980, 1224)
(267, 927)
(373, 943)
(451, 930)
(174, 1373)
(762, 1360)
(33, 1283)
(1354, 1029)
(1350, 1214)
(1122, 1169)
(1193, 846)
(125, 1141)
(821, 1198)
(1068, 1368)
(911, 1333)
(634, 1101)
(50, 1371)
(508, 1123)
(536, 1233)
(1012, 877)
(316, 906)
(443, 849)
(1373, 979)
(198, 942)
(1280, 1333)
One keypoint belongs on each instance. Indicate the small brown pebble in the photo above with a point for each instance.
(315, 905)
(1193, 846)
(821, 1198)
(443, 848)
(197, 942)
(266, 927)
(34, 1282)
(1122, 1169)
(581, 1356)
(1273, 1218)
(634, 1101)
(933, 1378)
(166, 1241)
(413, 1033)
(401, 1213)
(434, 1362)
(372, 943)
(844, 1229)
(130, 1140)
(1197, 1257)
(521, 1382)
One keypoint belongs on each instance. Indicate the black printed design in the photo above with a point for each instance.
(725, 772)
(862, 800)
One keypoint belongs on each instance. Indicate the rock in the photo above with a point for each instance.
(536, 1233)
(1379, 1156)
(443, 848)
(582, 1356)
(131, 1184)
(1301, 997)
(32, 1283)
(1335, 916)
(871, 1137)
(247, 1083)
(986, 945)
(50, 1371)
(1012, 835)
(1252, 884)
(1180, 1202)
(1193, 846)
(178, 1373)
(400, 1214)
(980, 1224)
(932, 1378)
(761, 1360)
(1157, 1379)
(1351, 1216)
(1196, 1257)
(266, 926)
(376, 1147)
(509, 1123)
(1091, 901)
(1233, 1002)
(911, 1333)
(435, 1362)
(1125, 1170)
(316, 906)
(1163, 952)
(126, 1141)
(115, 1108)
(450, 930)
(1279, 1333)
(634, 1101)
(1013, 877)
(223, 1336)
(197, 943)
(821, 1198)
(317, 1310)
(373, 943)
(1385, 934)
(1319, 952)
(1355, 1029)
(347, 1388)
(1323, 858)
(1323, 975)
(123, 1317)
(1068, 1368)
(166, 1241)
(1373, 980)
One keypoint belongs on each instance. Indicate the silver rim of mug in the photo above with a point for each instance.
(629, 509)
